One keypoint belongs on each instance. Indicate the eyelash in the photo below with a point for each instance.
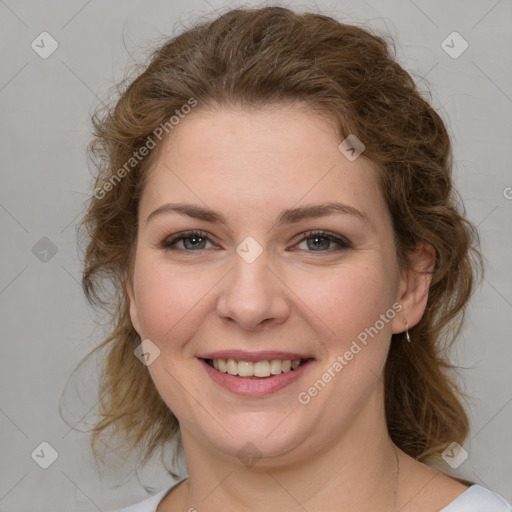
(169, 243)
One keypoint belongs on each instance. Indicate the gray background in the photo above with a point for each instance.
(47, 327)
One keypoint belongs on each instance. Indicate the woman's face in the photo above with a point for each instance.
(255, 286)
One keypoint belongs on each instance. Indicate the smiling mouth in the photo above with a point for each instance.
(256, 369)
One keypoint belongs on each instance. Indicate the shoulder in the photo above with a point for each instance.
(148, 505)
(476, 499)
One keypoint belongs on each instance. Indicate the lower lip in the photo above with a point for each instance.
(255, 387)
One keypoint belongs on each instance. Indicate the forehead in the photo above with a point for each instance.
(268, 159)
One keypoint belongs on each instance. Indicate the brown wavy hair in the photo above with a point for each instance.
(252, 58)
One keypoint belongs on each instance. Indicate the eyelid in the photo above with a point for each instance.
(169, 242)
(342, 242)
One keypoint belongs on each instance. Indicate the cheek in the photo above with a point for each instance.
(168, 300)
(338, 302)
(347, 300)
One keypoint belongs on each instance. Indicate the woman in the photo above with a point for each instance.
(275, 210)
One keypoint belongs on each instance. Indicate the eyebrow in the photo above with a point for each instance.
(289, 216)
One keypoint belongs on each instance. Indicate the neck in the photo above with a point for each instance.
(356, 470)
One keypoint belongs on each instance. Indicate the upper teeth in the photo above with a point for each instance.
(256, 369)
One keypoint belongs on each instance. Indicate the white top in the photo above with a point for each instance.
(474, 499)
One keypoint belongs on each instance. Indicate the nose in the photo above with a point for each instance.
(253, 295)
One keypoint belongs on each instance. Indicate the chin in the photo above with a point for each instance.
(259, 436)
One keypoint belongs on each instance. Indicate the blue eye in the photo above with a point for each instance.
(197, 240)
(322, 239)
(192, 240)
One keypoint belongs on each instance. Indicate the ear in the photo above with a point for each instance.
(134, 315)
(414, 287)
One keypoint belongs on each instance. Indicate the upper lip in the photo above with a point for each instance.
(264, 355)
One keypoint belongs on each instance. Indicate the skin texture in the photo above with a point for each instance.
(249, 166)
